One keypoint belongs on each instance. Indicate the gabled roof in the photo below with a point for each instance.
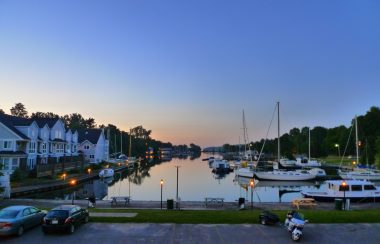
(42, 122)
(12, 121)
(91, 135)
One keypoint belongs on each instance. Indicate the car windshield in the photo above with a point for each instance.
(299, 216)
(8, 214)
(58, 214)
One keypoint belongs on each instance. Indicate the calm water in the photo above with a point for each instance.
(195, 182)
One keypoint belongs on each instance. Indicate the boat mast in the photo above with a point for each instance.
(357, 140)
(121, 142)
(130, 143)
(309, 143)
(278, 131)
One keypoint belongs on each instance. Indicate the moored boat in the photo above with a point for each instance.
(104, 173)
(355, 190)
(220, 166)
(294, 175)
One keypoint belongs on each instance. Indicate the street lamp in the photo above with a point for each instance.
(344, 186)
(89, 171)
(162, 184)
(73, 182)
(337, 146)
(64, 176)
(252, 184)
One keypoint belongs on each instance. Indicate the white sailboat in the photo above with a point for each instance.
(307, 162)
(292, 175)
(358, 173)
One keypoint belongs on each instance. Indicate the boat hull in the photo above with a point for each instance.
(322, 198)
(280, 176)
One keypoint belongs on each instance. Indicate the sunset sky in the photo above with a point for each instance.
(187, 69)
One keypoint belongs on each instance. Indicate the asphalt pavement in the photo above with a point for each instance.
(203, 233)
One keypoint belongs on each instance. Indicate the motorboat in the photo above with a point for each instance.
(307, 162)
(293, 175)
(318, 172)
(360, 174)
(355, 190)
(245, 172)
(287, 163)
(220, 166)
(105, 173)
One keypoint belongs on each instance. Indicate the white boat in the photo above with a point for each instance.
(293, 175)
(104, 173)
(275, 174)
(245, 172)
(358, 173)
(220, 166)
(356, 190)
(287, 163)
(307, 162)
(318, 172)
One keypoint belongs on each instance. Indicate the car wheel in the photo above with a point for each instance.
(20, 230)
(71, 228)
(85, 220)
(263, 221)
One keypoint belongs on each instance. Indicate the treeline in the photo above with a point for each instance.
(119, 141)
(326, 142)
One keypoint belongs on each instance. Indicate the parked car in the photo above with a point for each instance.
(64, 218)
(15, 219)
(267, 217)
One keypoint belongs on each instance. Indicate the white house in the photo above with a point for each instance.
(93, 144)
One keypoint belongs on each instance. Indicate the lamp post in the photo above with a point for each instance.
(162, 184)
(344, 186)
(73, 183)
(252, 184)
(64, 176)
(89, 171)
(177, 206)
(337, 146)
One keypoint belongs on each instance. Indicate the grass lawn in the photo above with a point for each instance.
(234, 217)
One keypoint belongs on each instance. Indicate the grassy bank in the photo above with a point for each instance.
(234, 217)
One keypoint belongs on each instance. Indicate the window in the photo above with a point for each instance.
(26, 212)
(342, 188)
(44, 147)
(356, 188)
(7, 145)
(86, 147)
(74, 148)
(60, 148)
(91, 156)
(32, 147)
(58, 134)
(369, 187)
(31, 163)
(5, 163)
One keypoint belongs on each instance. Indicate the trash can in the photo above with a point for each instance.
(241, 202)
(338, 204)
(170, 204)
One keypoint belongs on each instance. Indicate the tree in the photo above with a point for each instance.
(2, 111)
(42, 115)
(19, 111)
(378, 152)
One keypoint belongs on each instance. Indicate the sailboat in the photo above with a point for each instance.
(358, 173)
(307, 162)
(292, 175)
(245, 167)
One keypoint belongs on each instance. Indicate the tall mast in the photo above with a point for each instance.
(309, 142)
(121, 142)
(278, 131)
(244, 134)
(130, 143)
(357, 140)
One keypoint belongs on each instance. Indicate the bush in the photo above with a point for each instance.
(18, 175)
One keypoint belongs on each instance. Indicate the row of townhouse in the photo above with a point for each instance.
(28, 142)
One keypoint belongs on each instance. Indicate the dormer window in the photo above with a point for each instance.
(86, 147)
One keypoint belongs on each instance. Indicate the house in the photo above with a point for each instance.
(25, 142)
(94, 145)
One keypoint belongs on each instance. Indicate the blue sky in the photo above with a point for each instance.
(187, 69)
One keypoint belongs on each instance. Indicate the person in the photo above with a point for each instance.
(92, 201)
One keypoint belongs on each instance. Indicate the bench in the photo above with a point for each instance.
(214, 201)
(120, 199)
(304, 202)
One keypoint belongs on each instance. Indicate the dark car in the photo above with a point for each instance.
(16, 219)
(64, 218)
(267, 217)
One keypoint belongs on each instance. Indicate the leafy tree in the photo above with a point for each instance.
(2, 111)
(19, 111)
(378, 152)
(42, 115)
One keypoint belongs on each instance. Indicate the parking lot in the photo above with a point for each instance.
(202, 233)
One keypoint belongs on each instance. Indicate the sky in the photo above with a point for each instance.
(187, 69)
